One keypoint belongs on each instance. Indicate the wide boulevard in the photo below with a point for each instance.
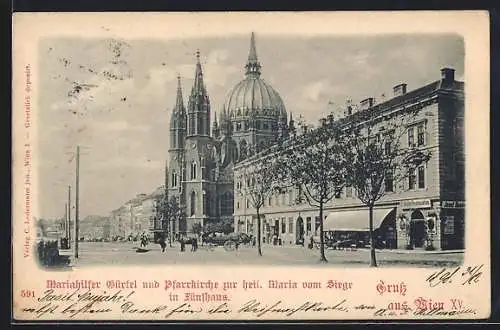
(124, 253)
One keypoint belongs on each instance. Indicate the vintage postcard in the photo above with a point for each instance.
(251, 166)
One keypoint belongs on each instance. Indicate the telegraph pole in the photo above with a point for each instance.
(65, 223)
(68, 232)
(77, 183)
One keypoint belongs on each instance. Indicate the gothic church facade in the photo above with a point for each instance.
(199, 170)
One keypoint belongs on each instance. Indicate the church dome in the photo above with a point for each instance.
(253, 96)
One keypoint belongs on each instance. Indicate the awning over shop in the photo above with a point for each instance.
(355, 220)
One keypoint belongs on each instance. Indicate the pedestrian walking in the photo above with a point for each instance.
(162, 243)
(183, 244)
(195, 244)
(311, 243)
(144, 240)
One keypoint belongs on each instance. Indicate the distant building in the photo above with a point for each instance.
(430, 203)
(135, 217)
(95, 227)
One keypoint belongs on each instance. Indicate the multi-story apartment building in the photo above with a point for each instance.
(427, 206)
(136, 216)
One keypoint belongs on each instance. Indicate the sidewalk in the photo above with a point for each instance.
(418, 251)
(394, 251)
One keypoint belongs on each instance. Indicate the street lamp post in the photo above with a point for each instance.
(68, 220)
(77, 185)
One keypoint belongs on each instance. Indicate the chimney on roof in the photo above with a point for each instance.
(447, 74)
(399, 90)
(367, 103)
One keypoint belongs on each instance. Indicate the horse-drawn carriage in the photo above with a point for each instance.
(228, 241)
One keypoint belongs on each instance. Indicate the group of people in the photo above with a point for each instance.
(193, 241)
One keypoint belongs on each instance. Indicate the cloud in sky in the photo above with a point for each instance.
(121, 118)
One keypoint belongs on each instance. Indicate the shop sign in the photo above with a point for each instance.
(416, 204)
(449, 225)
(453, 204)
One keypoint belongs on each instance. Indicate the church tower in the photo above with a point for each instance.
(175, 170)
(199, 184)
(178, 120)
(198, 105)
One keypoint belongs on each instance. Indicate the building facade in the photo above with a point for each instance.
(199, 171)
(428, 206)
(136, 217)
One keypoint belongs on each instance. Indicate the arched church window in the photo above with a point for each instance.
(265, 126)
(206, 204)
(203, 169)
(174, 179)
(191, 123)
(193, 203)
(193, 171)
(227, 204)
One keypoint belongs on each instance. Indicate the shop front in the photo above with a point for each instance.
(452, 223)
(353, 225)
(417, 224)
(430, 225)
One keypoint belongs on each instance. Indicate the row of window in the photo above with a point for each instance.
(200, 126)
(416, 180)
(243, 126)
(193, 175)
(286, 226)
(226, 204)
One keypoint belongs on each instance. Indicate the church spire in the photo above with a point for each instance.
(198, 104)
(252, 55)
(178, 120)
(215, 127)
(179, 101)
(253, 66)
(291, 125)
(225, 123)
(198, 75)
(215, 120)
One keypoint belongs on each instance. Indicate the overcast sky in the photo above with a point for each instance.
(121, 114)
